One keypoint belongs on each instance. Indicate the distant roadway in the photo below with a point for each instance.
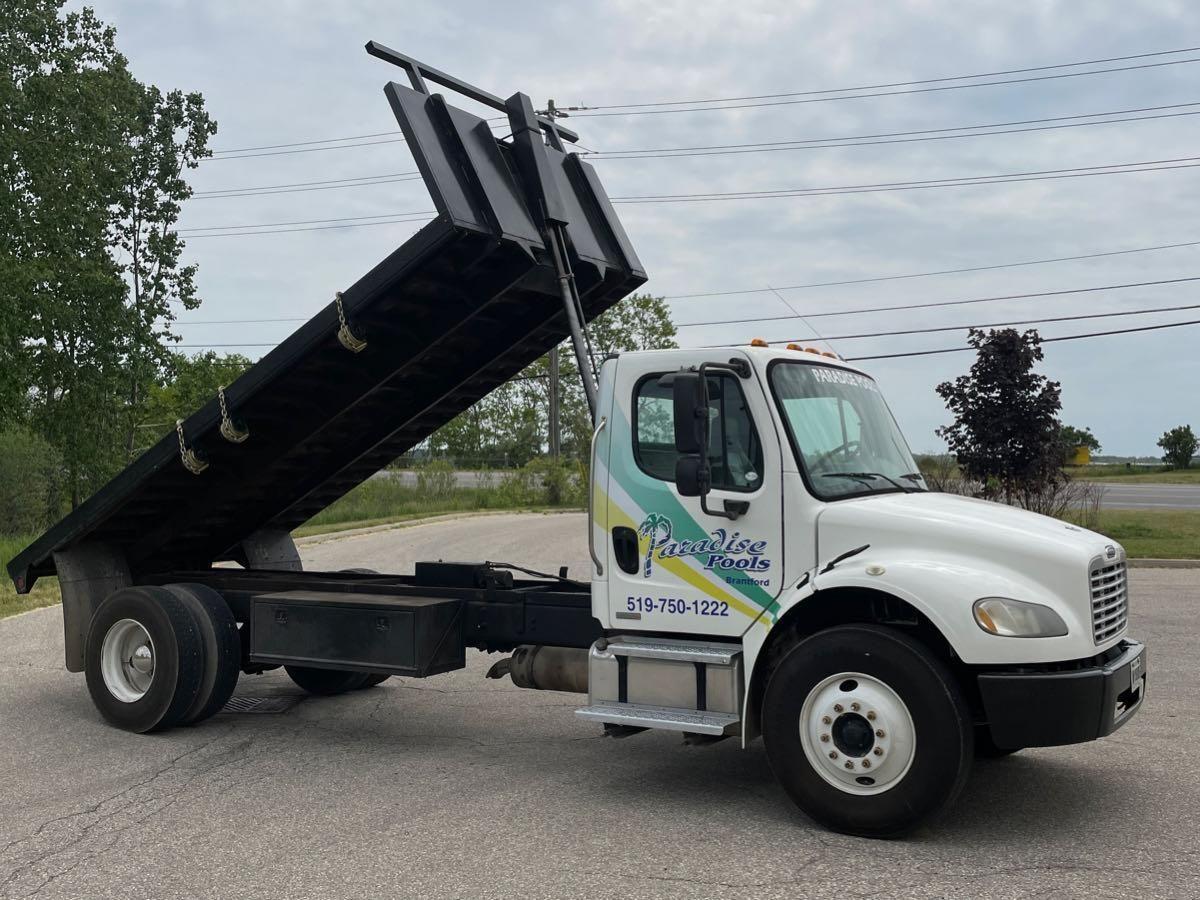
(1116, 496)
(1151, 496)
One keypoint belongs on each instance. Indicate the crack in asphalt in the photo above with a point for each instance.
(77, 831)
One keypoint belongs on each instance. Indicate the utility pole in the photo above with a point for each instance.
(554, 432)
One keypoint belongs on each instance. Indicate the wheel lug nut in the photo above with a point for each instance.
(833, 754)
(825, 739)
(871, 715)
(837, 708)
(825, 720)
(879, 733)
(878, 751)
(856, 706)
(866, 764)
(849, 765)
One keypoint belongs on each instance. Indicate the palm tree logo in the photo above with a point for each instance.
(657, 528)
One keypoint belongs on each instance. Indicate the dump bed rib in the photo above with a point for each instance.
(454, 312)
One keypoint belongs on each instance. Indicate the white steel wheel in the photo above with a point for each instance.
(127, 660)
(857, 733)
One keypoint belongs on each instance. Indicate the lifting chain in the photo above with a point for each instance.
(230, 430)
(191, 459)
(345, 335)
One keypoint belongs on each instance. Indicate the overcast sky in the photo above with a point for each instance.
(284, 72)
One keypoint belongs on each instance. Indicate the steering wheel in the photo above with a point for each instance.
(846, 449)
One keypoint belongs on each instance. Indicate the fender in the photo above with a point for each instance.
(942, 587)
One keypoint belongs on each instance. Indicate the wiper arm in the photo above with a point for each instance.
(914, 477)
(867, 476)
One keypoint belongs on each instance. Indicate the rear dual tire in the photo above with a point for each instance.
(156, 657)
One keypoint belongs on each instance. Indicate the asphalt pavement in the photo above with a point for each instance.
(1151, 496)
(1116, 496)
(457, 787)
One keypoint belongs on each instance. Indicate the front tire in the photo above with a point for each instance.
(143, 659)
(868, 733)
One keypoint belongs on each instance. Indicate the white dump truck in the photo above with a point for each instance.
(766, 559)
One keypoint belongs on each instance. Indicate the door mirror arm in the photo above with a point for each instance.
(734, 509)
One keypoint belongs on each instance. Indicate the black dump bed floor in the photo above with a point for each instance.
(457, 310)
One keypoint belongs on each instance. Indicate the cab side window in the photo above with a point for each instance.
(734, 450)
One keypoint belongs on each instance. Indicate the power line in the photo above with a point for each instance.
(264, 192)
(417, 213)
(1066, 337)
(1049, 340)
(943, 328)
(283, 188)
(941, 303)
(1158, 165)
(218, 158)
(920, 90)
(240, 321)
(353, 137)
(964, 181)
(876, 278)
(293, 230)
(231, 152)
(898, 137)
(894, 84)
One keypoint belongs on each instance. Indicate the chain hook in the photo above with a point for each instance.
(345, 335)
(192, 461)
(234, 432)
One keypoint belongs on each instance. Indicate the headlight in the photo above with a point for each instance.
(1016, 618)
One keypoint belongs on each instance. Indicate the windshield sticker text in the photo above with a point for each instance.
(826, 375)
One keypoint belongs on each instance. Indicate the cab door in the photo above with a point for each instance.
(672, 566)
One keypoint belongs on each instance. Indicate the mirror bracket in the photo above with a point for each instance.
(734, 509)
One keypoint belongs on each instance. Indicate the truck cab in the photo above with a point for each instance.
(766, 497)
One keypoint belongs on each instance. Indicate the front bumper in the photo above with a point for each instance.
(1048, 708)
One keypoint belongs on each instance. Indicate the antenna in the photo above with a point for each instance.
(801, 318)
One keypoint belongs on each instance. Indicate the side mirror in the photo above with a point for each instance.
(691, 413)
(692, 477)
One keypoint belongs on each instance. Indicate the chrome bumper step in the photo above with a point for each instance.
(666, 718)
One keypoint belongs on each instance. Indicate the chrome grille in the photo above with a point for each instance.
(1110, 600)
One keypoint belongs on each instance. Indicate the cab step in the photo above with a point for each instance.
(672, 684)
(666, 718)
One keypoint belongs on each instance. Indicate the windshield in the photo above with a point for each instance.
(842, 432)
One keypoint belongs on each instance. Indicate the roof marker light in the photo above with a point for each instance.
(758, 342)
(830, 355)
(794, 347)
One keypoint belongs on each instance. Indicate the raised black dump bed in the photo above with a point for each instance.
(524, 241)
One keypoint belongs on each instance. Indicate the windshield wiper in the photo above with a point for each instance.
(914, 477)
(865, 477)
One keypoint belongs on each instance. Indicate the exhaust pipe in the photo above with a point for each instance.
(545, 668)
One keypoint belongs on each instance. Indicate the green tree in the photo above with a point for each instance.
(28, 466)
(1178, 446)
(187, 384)
(1073, 437)
(510, 426)
(1006, 433)
(167, 133)
(90, 161)
(61, 153)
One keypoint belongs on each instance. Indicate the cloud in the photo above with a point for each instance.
(275, 72)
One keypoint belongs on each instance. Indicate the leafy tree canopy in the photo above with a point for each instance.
(1179, 446)
(1006, 433)
(510, 425)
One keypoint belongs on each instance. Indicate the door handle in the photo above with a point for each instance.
(591, 497)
